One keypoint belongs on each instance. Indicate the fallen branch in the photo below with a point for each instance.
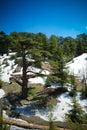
(25, 124)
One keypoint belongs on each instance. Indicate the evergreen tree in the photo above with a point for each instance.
(73, 83)
(76, 113)
(69, 48)
(81, 43)
(29, 48)
(4, 43)
(58, 66)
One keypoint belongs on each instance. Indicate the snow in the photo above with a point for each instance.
(38, 70)
(17, 128)
(78, 66)
(37, 80)
(12, 127)
(6, 70)
(7, 117)
(59, 110)
(2, 93)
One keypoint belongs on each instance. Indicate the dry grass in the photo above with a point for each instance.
(11, 88)
(80, 85)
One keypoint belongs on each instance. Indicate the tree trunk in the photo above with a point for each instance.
(1, 116)
(24, 85)
(0, 111)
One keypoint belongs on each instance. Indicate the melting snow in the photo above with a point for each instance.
(78, 66)
(59, 111)
(2, 93)
(6, 70)
(37, 80)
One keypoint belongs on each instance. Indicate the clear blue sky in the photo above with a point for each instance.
(59, 17)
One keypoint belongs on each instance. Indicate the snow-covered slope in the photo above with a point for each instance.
(7, 70)
(7, 67)
(59, 110)
(78, 66)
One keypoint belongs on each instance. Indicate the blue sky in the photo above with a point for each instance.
(59, 17)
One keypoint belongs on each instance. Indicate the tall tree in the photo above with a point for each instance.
(4, 43)
(28, 48)
(81, 43)
(69, 48)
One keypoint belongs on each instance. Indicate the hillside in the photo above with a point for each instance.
(64, 101)
(78, 66)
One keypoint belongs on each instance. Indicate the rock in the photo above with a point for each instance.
(5, 104)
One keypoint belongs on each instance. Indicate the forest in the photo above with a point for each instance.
(69, 47)
(56, 51)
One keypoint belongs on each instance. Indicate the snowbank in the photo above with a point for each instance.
(7, 70)
(78, 66)
(2, 93)
(37, 80)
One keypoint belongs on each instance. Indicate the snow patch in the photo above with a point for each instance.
(37, 80)
(59, 110)
(2, 93)
(78, 66)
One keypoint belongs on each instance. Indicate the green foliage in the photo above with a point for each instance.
(32, 91)
(4, 43)
(16, 61)
(48, 82)
(75, 125)
(73, 92)
(84, 92)
(41, 97)
(55, 50)
(52, 126)
(0, 70)
(73, 80)
(1, 83)
(73, 83)
(69, 48)
(81, 43)
(76, 113)
(51, 119)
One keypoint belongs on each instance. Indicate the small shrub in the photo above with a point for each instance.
(16, 61)
(32, 91)
(73, 93)
(48, 83)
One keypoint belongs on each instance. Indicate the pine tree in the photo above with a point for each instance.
(76, 113)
